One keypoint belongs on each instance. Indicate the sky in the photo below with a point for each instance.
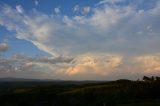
(79, 39)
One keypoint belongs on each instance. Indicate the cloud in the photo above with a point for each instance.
(19, 9)
(63, 34)
(57, 10)
(110, 1)
(150, 63)
(126, 30)
(88, 66)
(36, 2)
(76, 8)
(20, 62)
(86, 10)
(92, 64)
(4, 47)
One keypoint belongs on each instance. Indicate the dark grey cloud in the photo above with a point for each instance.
(54, 60)
(20, 62)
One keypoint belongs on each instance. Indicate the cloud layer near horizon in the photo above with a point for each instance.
(107, 42)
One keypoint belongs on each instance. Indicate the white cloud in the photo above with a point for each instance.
(109, 1)
(19, 9)
(86, 10)
(64, 34)
(57, 10)
(109, 29)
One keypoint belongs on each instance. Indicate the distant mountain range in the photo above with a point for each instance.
(13, 79)
(10, 79)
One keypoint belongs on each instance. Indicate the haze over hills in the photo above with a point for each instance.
(13, 79)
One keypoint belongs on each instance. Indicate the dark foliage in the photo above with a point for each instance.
(63, 93)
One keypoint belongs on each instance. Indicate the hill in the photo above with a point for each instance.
(71, 93)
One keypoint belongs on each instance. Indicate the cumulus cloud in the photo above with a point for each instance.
(87, 66)
(4, 47)
(92, 64)
(150, 63)
(128, 30)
